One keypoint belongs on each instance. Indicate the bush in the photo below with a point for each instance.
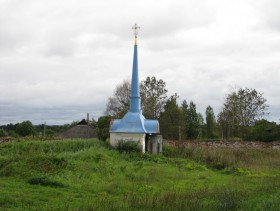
(263, 130)
(12, 133)
(128, 146)
(25, 128)
(45, 182)
(103, 127)
(103, 133)
(3, 133)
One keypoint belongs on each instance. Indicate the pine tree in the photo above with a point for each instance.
(210, 123)
(171, 120)
(192, 122)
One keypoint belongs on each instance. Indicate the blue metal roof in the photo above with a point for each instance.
(151, 126)
(134, 121)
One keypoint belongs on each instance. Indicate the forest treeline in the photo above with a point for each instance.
(241, 116)
(26, 128)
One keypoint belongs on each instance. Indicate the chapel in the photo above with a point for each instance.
(134, 126)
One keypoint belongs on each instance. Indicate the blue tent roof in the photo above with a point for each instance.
(134, 123)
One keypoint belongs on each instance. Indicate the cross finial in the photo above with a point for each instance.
(135, 28)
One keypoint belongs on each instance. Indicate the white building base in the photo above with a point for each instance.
(135, 137)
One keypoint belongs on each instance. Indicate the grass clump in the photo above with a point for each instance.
(47, 164)
(45, 182)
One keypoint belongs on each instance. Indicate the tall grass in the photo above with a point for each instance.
(255, 159)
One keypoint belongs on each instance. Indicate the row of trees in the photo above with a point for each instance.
(184, 122)
(240, 115)
(26, 128)
(241, 111)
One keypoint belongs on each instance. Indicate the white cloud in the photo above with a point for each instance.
(62, 59)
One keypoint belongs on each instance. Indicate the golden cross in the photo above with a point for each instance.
(135, 28)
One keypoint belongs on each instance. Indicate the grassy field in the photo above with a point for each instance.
(89, 175)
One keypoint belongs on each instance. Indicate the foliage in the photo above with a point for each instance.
(210, 123)
(9, 127)
(241, 110)
(153, 97)
(118, 105)
(12, 133)
(172, 119)
(183, 122)
(263, 130)
(25, 128)
(3, 133)
(50, 133)
(192, 122)
(103, 125)
(68, 126)
(128, 146)
(93, 123)
(185, 110)
(201, 133)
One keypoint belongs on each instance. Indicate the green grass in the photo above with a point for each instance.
(90, 175)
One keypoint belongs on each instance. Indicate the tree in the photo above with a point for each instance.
(93, 123)
(172, 120)
(152, 93)
(118, 105)
(201, 133)
(153, 97)
(103, 124)
(242, 109)
(192, 120)
(25, 128)
(223, 123)
(210, 123)
(185, 110)
(9, 127)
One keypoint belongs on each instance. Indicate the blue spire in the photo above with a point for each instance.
(135, 104)
(134, 121)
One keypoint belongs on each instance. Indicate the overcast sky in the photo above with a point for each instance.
(62, 59)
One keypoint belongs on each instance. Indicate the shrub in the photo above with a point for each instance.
(45, 182)
(103, 133)
(128, 146)
(25, 128)
(103, 127)
(263, 130)
(3, 133)
(12, 133)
